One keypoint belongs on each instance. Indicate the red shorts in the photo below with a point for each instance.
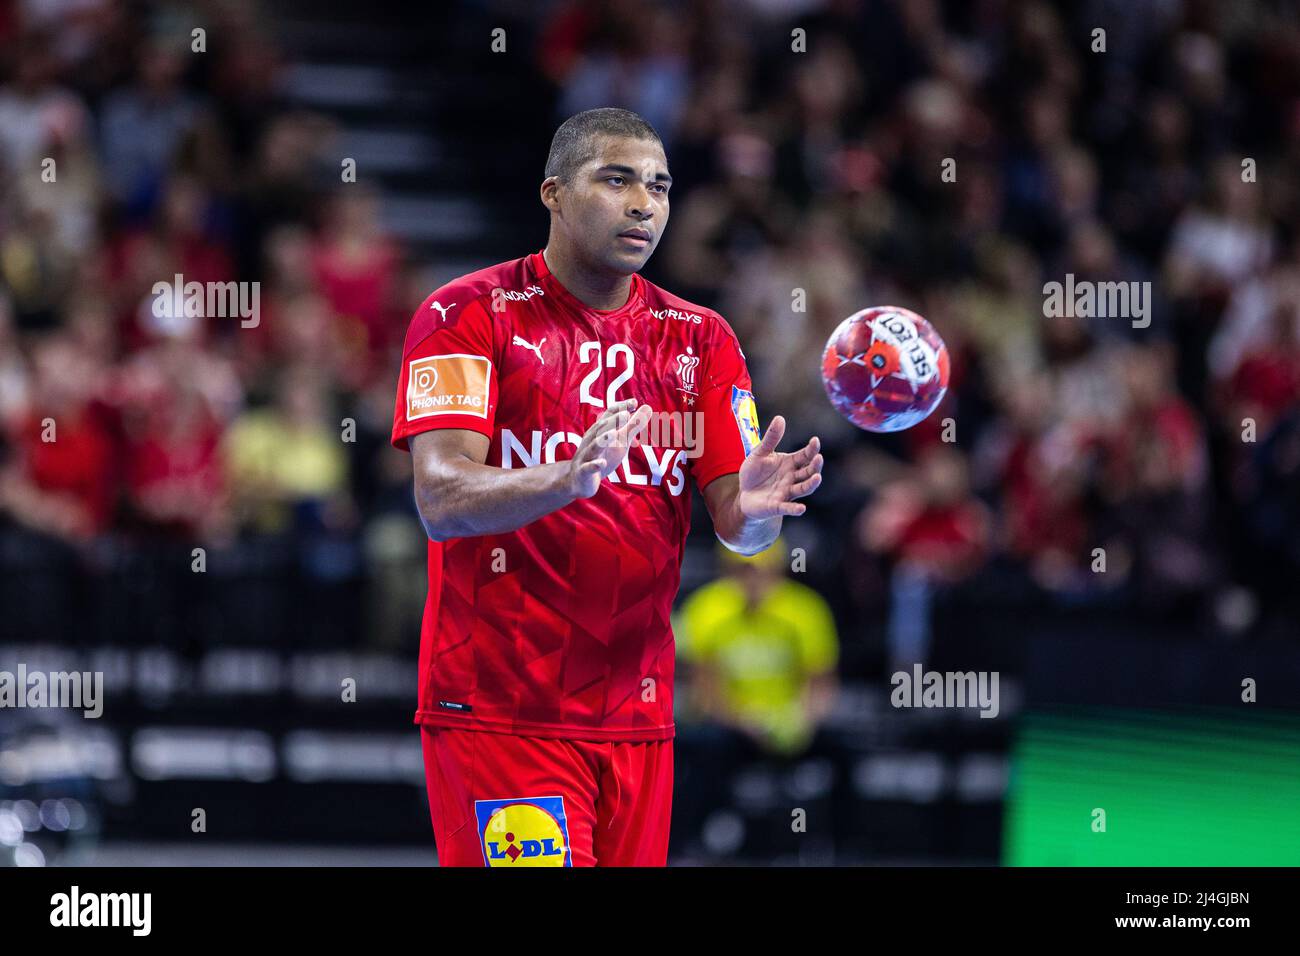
(504, 800)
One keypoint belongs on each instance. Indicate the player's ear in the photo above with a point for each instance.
(550, 193)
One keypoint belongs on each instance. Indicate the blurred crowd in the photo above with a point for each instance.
(128, 160)
(1085, 460)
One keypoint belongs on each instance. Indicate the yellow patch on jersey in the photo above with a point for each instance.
(746, 413)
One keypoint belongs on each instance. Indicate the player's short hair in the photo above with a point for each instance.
(575, 141)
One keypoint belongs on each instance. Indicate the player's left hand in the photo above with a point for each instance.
(771, 481)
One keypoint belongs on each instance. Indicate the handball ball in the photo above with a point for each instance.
(885, 369)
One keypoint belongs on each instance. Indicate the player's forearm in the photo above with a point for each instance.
(465, 499)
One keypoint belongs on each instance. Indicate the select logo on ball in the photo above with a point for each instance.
(528, 831)
(885, 369)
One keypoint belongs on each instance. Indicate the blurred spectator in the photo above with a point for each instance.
(1266, 382)
(1221, 242)
(61, 480)
(143, 125)
(631, 55)
(933, 532)
(761, 651)
(175, 399)
(356, 266)
(35, 110)
(285, 464)
(720, 226)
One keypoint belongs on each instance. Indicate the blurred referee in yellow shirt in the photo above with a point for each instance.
(761, 651)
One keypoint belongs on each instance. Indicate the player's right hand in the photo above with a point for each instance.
(605, 445)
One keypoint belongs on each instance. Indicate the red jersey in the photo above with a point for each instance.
(561, 628)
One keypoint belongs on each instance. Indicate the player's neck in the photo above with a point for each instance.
(597, 290)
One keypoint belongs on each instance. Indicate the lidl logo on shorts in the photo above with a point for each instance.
(527, 831)
(448, 384)
(746, 412)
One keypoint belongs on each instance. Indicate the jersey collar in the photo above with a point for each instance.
(636, 295)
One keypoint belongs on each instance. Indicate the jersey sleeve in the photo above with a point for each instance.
(448, 377)
(729, 415)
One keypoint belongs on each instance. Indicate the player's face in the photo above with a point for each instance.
(617, 206)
